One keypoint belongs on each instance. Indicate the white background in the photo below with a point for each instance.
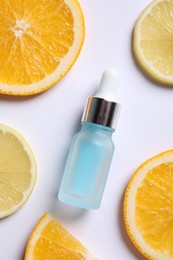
(49, 120)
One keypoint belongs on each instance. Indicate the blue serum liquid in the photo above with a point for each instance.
(87, 166)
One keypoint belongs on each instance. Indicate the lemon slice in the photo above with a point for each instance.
(17, 171)
(50, 241)
(148, 207)
(39, 42)
(153, 42)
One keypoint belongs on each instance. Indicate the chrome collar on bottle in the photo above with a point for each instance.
(102, 112)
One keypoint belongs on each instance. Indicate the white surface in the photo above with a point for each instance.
(49, 120)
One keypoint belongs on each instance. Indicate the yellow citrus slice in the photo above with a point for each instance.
(50, 241)
(153, 42)
(148, 207)
(39, 42)
(17, 171)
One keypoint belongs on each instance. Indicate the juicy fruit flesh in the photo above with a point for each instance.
(156, 37)
(46, 249)
(55, 232)
(13, 181)
(51, 241)
(154, 209)
(34, 37)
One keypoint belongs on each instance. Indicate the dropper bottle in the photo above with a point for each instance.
(92, 148)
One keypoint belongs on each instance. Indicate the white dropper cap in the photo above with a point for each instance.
(102, 108)
(108, 85)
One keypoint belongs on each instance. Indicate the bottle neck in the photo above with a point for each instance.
(96, 127)
(101, 112)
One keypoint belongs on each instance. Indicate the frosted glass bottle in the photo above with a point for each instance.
(92, 149)
(87, 166)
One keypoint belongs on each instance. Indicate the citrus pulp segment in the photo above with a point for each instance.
(17, 171)
(153, 41)
(50, 241)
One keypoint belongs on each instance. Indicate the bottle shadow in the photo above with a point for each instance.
(58, 208)
(124, 235)
(61, 166)
(67, 212)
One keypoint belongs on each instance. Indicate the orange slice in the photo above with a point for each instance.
(148, 207)
(50, 241)
(39, 42)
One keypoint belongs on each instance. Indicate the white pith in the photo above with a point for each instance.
(20, 27)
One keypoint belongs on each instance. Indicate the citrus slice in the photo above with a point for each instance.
(148, 207)
(39, 42)
(50, 241)
(153, 42)
(17, 171)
